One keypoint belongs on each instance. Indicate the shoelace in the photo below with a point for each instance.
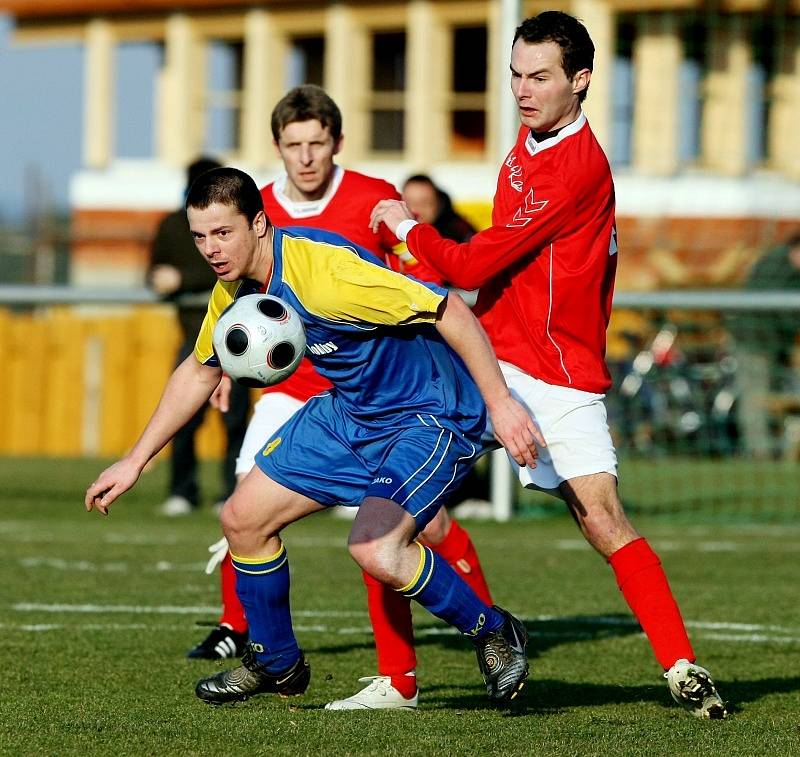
(499, 645)
(379, 685)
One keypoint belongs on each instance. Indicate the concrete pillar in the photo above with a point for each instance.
(598, 17)
(724, 121)
(783, 144)
(347, 66)
(182, 92)
(99, 75)
(657, 56)
(265, 52)
(426, 119)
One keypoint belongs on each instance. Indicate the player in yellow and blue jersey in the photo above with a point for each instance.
(413, 377)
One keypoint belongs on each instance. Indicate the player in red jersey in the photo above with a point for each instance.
(315, 192)
(546, 270)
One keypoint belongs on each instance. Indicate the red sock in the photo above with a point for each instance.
(406, 685)
(390, 614)
(644, 585)
(232, 610)
(459, 551)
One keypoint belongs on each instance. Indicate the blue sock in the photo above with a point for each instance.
(441, 591)
(262, 584)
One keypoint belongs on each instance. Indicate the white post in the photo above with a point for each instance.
(501, 479)
(508, 126)
(500, 486)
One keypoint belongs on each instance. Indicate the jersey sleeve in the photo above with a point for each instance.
(221, 296)
(361, 292)
(545, 212)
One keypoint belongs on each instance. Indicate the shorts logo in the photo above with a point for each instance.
(270, 448)
(382, 480)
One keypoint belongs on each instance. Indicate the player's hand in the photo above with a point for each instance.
(110, 484)
(221, 398)
(515, 429)
(165, 279)
(390, 212)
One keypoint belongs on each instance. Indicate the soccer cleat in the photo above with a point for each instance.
(502, 659)
(221, 643)
(692, 688)
(241, 683)
(378, 695)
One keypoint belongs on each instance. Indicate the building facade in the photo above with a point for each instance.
(694, 103)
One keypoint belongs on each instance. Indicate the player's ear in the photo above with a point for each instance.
(580, 82)
(261, 223)
(337, 145)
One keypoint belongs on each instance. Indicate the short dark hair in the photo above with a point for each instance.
(226, 186)
(577, 49)
(198, 167)
(308, 102)
(420, 178)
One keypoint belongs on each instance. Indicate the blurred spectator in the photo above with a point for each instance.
(431, 204)
(763, 344)
(179, 275)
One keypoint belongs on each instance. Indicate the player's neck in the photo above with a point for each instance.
(551, 131)
(295, 194)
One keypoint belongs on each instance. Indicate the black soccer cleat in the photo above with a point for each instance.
(220, 644)
(250, 678)
(502, 659)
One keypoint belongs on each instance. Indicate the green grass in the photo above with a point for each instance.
(114, 680)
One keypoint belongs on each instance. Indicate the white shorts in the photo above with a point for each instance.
(271, 411)
(574, 425)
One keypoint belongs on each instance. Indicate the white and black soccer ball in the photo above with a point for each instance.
(259, 340)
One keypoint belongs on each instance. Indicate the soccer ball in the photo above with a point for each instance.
(259, 340)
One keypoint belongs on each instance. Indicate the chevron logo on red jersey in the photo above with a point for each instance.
(523, 216)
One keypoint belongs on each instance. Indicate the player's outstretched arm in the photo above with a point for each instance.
(513, 426)
(188, 389)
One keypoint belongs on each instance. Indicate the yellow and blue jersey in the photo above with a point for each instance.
(369, 331)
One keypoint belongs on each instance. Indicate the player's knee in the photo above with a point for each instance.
(374, 556)
(237, 518)
(435, 532)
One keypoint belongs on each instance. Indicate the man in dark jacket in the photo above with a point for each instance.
(180, 275)
(763, 345)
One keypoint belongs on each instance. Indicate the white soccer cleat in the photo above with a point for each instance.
(691, 687)
(378, 695)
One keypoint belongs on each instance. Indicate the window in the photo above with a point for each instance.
(388, 85)
(759, 76)
(137, 68)
(622, 89)
(468, 111)
(305, 61)
(693, 68)
(223, 96)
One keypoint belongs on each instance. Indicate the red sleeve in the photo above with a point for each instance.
(543, 214)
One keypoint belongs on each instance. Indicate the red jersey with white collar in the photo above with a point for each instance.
(546, 266)
(345, 209)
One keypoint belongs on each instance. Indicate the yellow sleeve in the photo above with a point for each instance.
(222, 295)
(342, 287)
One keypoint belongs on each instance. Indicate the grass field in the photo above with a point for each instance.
(98, 613)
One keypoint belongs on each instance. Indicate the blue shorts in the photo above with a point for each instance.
(325, 454)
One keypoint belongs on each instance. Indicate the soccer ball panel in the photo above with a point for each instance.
(259, 340)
